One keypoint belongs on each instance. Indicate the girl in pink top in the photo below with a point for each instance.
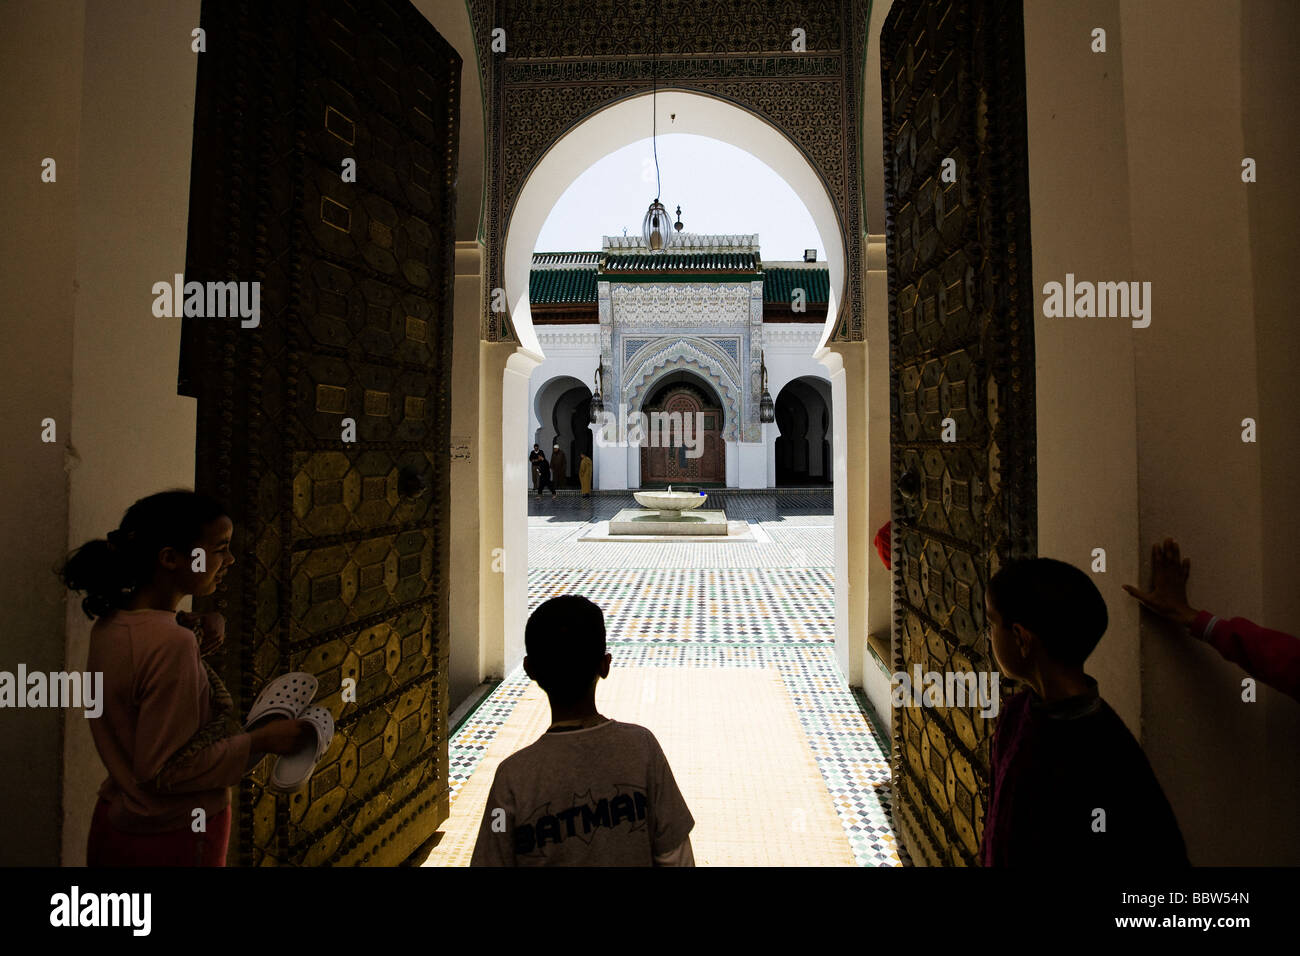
(167, 735)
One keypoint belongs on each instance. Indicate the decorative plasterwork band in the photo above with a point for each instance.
(699, 356)
(680, 304)
(793, 334)
(581, 337)
(686, 242)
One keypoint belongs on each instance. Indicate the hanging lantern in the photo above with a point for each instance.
(654, 228)
(766, 407)
(597, 405)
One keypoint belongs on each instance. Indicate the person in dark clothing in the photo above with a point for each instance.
(1069, 784)
(544, 476)
(533, 458)
(559, 467)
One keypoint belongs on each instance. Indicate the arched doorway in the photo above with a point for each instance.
(561, 415)
(803, 445)
(622, 122)
(683, 434)
(588, 140)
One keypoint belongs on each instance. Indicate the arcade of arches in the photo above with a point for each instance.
(402, 301)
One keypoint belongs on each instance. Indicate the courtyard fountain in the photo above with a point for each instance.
(670, 504)
(669, 513)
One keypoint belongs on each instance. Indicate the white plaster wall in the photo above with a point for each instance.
(753, 464)
(465, 666)
(612, 466)
(1087, 405)
(845, 656)
(132, 434)
(1271, 75)
(1183, 90)
(40, 113)
(515, 485)
(874, 405)
(1137, 152)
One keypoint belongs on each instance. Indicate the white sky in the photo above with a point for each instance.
(721, 189)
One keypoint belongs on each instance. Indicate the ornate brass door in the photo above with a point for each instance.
(341, 545)
(962, 368)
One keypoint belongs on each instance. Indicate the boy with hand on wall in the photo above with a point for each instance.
(1069, 785)
(591, 791)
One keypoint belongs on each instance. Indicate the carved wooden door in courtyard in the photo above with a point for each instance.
(687, 416)
(962, 361)
(341, 544)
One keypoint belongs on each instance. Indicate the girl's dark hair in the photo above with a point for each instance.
(110, 570)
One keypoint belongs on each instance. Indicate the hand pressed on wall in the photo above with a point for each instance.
(1168, 594)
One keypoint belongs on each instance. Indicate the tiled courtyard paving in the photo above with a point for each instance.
(681, 607)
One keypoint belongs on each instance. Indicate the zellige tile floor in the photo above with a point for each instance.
(699, 611)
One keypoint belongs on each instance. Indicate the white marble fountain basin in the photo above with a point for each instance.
(670, 504)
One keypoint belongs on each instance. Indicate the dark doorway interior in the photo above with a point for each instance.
(803, 447)
(572, 428)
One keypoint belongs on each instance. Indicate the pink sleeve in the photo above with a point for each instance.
(170, 712)
(1270, 656)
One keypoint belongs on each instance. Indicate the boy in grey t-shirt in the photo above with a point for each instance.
(591, 791)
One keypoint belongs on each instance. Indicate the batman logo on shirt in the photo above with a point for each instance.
(582, 819)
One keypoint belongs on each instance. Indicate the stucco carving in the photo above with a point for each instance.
(699, 356)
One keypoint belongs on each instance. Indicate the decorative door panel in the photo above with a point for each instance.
(325, 426)
(962, 382)
(672, 465)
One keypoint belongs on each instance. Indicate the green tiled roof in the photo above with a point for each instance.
(552, 286)
(710, 261)
(574, 281)
(779, 284)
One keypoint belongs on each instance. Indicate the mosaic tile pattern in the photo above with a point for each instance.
(666, 610)
(772, 606)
